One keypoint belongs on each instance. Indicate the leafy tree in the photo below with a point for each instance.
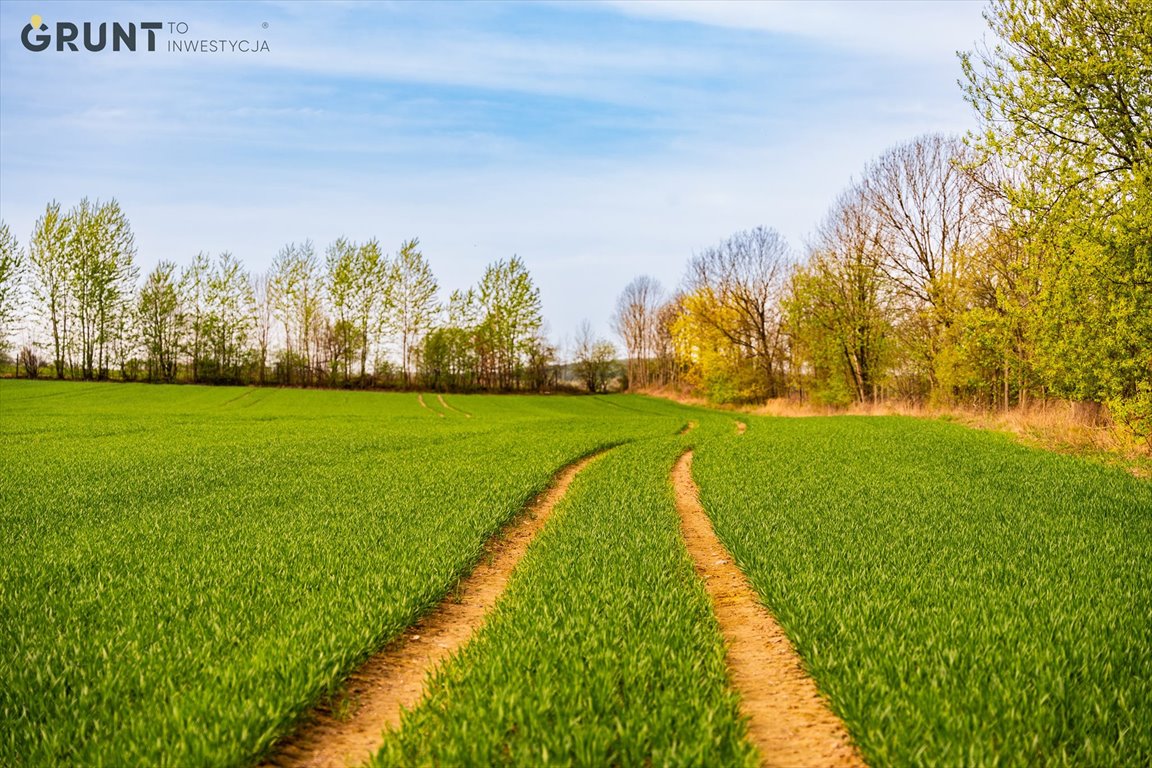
(11, 275)
(510, 307)
(193, 290)
(296, 290)
(100, 251)
(413, 306)
(161, 321)
(1064, 100)
(734, 290)
(837, 304)
(230, 305)
(51, 286)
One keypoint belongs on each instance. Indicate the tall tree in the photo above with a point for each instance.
(51, 286)
(635, 321)
(1063, 98)
(101, 250)
(837, 306)
(193, 290)
(230, 317)
(735, 291)
(11, 276)
(161, 322)
(927, 207)
(509, 303)
(413, 304)
(296, 287)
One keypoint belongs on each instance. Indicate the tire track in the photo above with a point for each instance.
(350, 728)
(788, 720)
(424, 405)
(444, 403)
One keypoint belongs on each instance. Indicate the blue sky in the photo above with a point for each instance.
(598, 141)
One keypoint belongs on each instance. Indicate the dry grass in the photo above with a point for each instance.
(1083, 429)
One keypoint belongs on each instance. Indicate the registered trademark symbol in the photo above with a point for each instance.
(265, 25)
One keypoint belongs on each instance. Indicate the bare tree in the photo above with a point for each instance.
(740, 284)
(594, 359)
(928, 209)
(635, 322)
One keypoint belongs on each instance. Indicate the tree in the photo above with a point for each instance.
(1064, 100)
(837, 303)
(231, 311)
(193, 290)
(296, 290)
(100, 253)
(509, 304)
(927, 209)
(48, 256)
(11, 275)
(635, 322)
(161, 322)
(413, 304)
(735, 291)
(594, 359)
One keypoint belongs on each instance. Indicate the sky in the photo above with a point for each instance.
(598, 141)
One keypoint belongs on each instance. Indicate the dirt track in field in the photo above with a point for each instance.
(420, 397)
(465, 414)
(349, 729)
(788, 720)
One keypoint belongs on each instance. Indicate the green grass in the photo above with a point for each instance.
(184, 570)
(961, 599)
(603, 651)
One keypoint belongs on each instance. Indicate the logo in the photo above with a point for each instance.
(37, 37)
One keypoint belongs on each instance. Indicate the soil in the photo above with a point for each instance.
(349, 729)
(452, 407)
(420, 397)
(788, 720)
(741, 427)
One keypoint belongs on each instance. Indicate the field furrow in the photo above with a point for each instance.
(348, 728)
(788, 720)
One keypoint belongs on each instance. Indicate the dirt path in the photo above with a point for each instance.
(452, 407)
(420, 397)
(688, 428)
(788, 720)
(349, 730)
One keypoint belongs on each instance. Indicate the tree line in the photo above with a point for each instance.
(350, 316)
(1012, 264)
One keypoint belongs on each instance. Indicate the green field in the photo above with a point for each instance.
(184, 571)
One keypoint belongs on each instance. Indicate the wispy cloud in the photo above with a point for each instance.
(597, 141)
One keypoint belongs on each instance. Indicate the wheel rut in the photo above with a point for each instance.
(788, 720)
(424, 405)
(350, 727)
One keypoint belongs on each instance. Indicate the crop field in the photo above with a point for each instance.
(186, 571)
(962, 600)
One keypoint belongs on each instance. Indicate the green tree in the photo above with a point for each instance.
(100, 253)
(837, 304)
(11, 277)
(296, 288)
(230, 317)
(1064, 100)
(412, 307)
(509, 305)
(161, 321)
(48, 256)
